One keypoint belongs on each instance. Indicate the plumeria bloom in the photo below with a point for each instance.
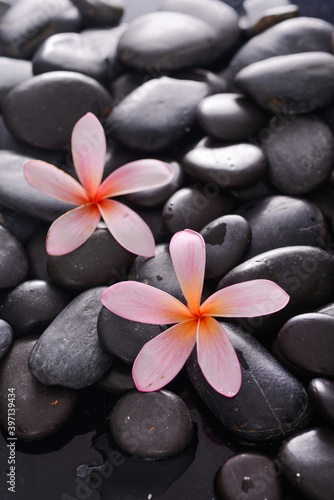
(161, 359)
(73, 228)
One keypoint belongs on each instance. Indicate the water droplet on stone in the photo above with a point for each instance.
(247, 484)
(298, 477)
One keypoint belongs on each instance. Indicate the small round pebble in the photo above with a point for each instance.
(39, 302)
(151, 424)
(307, 341)
(6, 337)
(321, 392)
(307, 460)
(194, 207)
(250, 476)
(227, 240)
(230, 117)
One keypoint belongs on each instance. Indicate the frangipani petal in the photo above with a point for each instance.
(72, 229)
(127, 228)
(55, 182)
(187, 249)
(89, 152)
(161, 359)
(217, 358)
(136, 176)
(144, 303)
(248, 299)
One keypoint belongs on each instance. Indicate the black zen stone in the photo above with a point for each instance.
(13, 260)
(69, 352)
(6, 337)
(52, 405)
(263, 409)
(151, 424)
(321, 392)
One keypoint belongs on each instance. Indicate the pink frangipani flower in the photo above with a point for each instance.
(161, 359)
(73, 228)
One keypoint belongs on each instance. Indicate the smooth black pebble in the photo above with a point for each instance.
(69, 352)
(307, 341)
(307, 461)
(321, 392)
(39, 302)
(6, 337)
(39, 410)
(151, 424)
(263, 410)
(13, 260)
(250, 476)
(226, 240)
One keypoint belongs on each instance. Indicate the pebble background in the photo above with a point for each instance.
(243, 108)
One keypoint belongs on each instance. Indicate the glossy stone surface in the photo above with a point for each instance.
(99, 261)
(77, 360)
(118, 379)
(168, 41)
(226, 240)
(12, 72)
(100, 12)
(300, 154)
(13, 260)
(34, 110)
(230, 116)
(307, 341)
(53, 405)
(124, 338)
(39, 302)
(250, 476)
(6, 337)
(227, 165)
(194, 207)
(291, 84)
(281, 221)
(321, 392)
(259, 15)
(263, 409)
(136, 123)
(307, 460)
(151, 425)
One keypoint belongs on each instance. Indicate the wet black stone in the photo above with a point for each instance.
(39, 410)
(69, 352)
(157, 196)
(13, 260)
(321, 392)
(100, 12)
(291, 84)
(227, 240)
(37, 255)
(227, 165)
(263, 410)
(167, 41)
(43, 110)
(151, 424)
(157, 271)
(99, 261)
(37, 301)
(26, 24)
(17, 194)
(292, 36)
(118, 379)
(6, 337)
(219, 16)
(259, 189)
(12, 72)
(250, 476)
(152, 217)
(194, 207)
(300, 154)
(230, 117)
(22, 226)
(303, 272)
(307, 461)
(81, 53)
(124, 338)
(282, 221)
(257, 16)
(307, 341)
(156, 114)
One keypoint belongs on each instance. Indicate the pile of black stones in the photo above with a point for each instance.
(240, 100)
